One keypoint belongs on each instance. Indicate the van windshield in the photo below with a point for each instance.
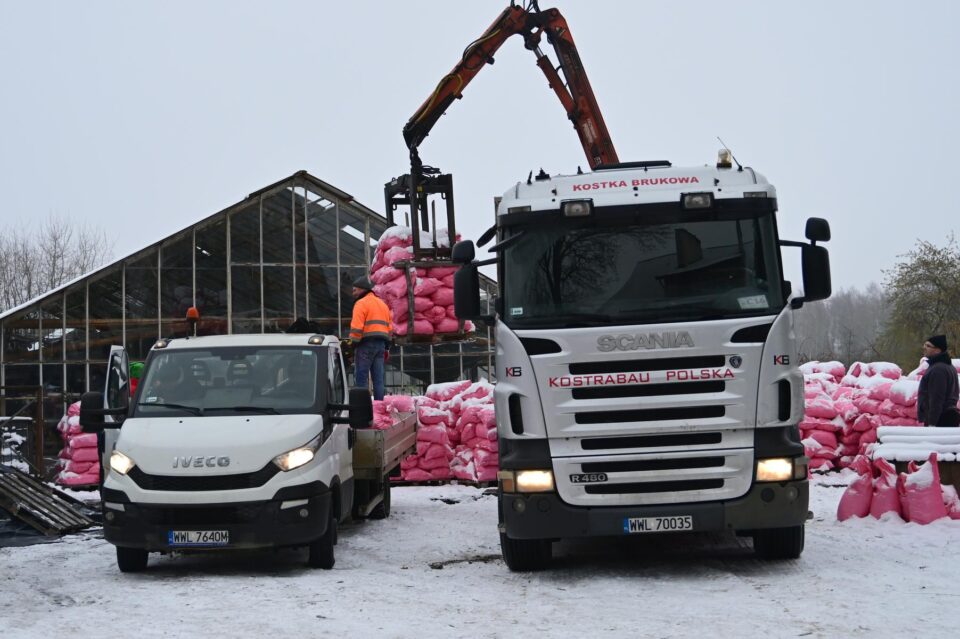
(230, 381)
(638, 268)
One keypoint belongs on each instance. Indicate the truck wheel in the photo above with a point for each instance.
(131, 559)
(779, 543)
(522, 555)
(382, 510)
(321, 551)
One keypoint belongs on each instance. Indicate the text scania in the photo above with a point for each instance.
(622, 184)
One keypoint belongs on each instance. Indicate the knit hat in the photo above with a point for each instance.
(364, 283)
(940, 341)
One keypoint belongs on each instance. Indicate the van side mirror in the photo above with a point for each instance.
(91, 412)
(361, 408)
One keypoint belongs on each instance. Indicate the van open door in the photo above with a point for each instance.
(116, 396)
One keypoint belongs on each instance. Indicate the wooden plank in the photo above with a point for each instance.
(45, 497)
(39, 505)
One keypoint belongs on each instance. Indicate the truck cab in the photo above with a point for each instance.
(239, 441)
(647, 364)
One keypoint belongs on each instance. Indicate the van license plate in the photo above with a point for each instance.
(198, 537)
(633, 525)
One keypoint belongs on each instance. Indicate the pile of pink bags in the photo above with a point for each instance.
(915, 496)
(433, 311)
(79, 460)
(844, 408)
(456, 434)
(386, 412)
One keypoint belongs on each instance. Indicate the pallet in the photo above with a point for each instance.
(39, 505)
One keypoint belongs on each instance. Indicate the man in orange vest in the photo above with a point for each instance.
(370, 332)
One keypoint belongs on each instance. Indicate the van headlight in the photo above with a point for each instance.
(781, 468)
(298, 456)
(120, 462)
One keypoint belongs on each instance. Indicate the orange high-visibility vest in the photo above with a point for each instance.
(371, 318)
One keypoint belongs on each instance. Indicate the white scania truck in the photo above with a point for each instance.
(646, 358)
(239, 441)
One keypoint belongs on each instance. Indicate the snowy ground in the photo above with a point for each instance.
(433, 570)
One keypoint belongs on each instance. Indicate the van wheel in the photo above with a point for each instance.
(321, 551)
(523, 555)
(131, 559)
(382, 510)
(779, 543)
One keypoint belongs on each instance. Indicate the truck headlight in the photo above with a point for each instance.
(781, 469)
(120, 462)
(298, 456)
(534, 481)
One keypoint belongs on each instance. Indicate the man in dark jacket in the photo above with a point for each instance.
(939, 389)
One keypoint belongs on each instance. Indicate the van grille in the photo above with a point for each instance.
(200, 483)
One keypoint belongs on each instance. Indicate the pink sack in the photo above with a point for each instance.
(451, 312)
(385, 274)
(394, 289)
(443, 296)
(84, 440)
(426, 287)
(921, 495)
(408, 462)
(951, 501)
(415, 474)
(448, 280)
(821, 406)
(73, 410)
(435, 434)
(78, 467)
(436, 462)
(397, 254)
(447, 325)
(885, 497)
(855, 501)
(825, 438)
(423, 327)
(487, 473)
(440, 272)
(399, 403)
(84, 454)
(441, 472)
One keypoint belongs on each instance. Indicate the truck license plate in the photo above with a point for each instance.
(198, 537)
(633, 525)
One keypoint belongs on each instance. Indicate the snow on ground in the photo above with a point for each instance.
(434, 570)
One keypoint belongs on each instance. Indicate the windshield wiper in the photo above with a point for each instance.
(194, 410)
(266, 410)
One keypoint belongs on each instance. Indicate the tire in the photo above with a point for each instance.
(321, 551)
(131, 559)
(779, 543)
(382, 510)
(524, 555)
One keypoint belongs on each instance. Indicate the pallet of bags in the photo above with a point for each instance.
(79, 459)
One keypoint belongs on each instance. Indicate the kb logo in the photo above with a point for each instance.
(514, 371)
(781, 360)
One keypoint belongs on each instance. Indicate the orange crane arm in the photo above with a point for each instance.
(575, 94)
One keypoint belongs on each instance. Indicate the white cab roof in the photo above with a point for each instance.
(620, 186)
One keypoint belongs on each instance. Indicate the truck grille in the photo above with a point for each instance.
(652, 441)
(644, 487)
(641, 465)
(642, 365)
(649, 390)
(649, 414)
(200, 483)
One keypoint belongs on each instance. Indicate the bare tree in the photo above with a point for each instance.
(35, 260)
(847, 327)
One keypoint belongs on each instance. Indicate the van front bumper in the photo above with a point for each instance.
(254, 524)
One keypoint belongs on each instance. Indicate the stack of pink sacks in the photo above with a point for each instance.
(433, 311)
(79, 460)
(456, 434)
(915, 496)
(851, 407)
(822, 423)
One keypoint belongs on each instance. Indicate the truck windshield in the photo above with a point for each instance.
(629, 267)
(230, 381)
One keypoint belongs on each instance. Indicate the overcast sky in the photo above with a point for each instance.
(144, 117)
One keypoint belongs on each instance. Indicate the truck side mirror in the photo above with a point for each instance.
(91, 412)
(361, 408)
(466, 292)
(463, 252)
(817, 230)
(816, 273)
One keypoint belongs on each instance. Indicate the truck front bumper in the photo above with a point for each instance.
(545, 516)
(255, 524)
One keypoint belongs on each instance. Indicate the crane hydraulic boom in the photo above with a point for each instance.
(573, 89)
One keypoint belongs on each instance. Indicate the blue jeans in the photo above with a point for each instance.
(369, 361)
